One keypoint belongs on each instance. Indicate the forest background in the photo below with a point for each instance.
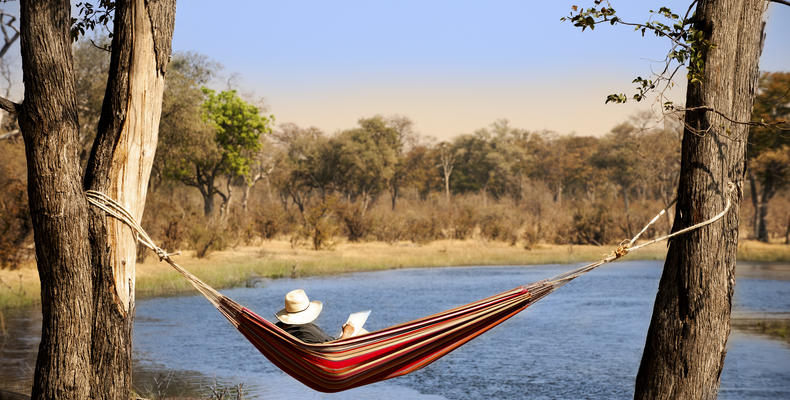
(225, 176)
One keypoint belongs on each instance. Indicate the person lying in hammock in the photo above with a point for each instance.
(298, 315)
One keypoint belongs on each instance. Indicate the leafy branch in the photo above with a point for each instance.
(90, 15)
(689, 45)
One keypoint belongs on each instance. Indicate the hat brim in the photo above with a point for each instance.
(305, 316)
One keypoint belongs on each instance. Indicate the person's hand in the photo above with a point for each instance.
(348, 330)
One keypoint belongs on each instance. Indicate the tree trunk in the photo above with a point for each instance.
(787, 231)
(762, 226)
(627, 208)
(208, 202)
(755, 197)
(120, 166)
(686, 342)
(48, 122)
(86, 264)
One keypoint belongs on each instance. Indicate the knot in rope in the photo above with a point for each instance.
(622, 249)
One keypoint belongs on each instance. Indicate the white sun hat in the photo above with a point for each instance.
(299, 309)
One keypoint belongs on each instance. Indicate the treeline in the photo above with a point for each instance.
(225, 176)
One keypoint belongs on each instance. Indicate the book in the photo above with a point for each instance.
(357, 320)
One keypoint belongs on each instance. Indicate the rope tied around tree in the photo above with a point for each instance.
(119, 212)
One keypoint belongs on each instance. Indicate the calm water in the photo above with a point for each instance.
(583, 341)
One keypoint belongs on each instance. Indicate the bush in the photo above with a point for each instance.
(16, 227)
(498, 225)
(318, 224)
(356, 222)
(204, 237)
(464, 221)
(592, 225)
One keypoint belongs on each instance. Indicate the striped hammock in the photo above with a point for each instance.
(348, 363)
(376, 356)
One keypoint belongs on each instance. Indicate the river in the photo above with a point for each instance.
(583, 341)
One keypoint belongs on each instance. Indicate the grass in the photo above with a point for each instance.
(752, 250)
(779, 328)
(276, 259)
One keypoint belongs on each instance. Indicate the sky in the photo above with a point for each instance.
(452, 66)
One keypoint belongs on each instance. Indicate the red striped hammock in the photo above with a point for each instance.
(376, 356)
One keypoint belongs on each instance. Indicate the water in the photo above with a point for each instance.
(583, 341)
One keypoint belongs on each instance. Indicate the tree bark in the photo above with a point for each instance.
(755, 197)
(48, 122)
(86, 263)
(120, 166)
(686, 342)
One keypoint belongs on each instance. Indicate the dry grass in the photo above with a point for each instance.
(778, 328)
(751, 250)
(276, 258)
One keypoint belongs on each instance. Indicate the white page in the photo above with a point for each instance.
(357, 320)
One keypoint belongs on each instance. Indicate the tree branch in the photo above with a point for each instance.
(787, 3)
(9, 135)
(9, 105)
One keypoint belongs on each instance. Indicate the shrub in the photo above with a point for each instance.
(498, 225)
(15, 224)
(464, 221)
(592, 225)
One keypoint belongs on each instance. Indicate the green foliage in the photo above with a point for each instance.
(772, 110)
(689, 44)
(366, 158)
(238, 127)
(90, 15)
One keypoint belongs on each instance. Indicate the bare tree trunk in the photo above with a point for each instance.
(120, 166)
(627, 208)
(755, 196)
(686, 342)
(48, 122)
(787, 231)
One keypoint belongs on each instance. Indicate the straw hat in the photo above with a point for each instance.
(299, 309)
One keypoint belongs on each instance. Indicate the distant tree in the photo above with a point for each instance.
(182, 130)
(484, 161)
(91, 65)
(406, 140)
(618, 156)
(447, 164)
(219, 148)
(768, 152)
(303, 166)
(367, 158)
(564, 164)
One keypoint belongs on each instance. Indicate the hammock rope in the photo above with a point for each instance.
(387, 353)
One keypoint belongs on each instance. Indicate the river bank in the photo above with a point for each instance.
(276, 259)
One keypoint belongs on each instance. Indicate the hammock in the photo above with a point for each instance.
(348, 363)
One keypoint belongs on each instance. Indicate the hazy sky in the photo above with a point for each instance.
(452, 66)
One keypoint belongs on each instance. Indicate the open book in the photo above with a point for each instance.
(357, 320)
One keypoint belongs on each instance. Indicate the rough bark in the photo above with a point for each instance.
(48, 121)
(761, 195)
(685, 347)
(120, 166)
(86, 263)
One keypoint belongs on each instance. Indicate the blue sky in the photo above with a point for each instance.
(451, 66)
